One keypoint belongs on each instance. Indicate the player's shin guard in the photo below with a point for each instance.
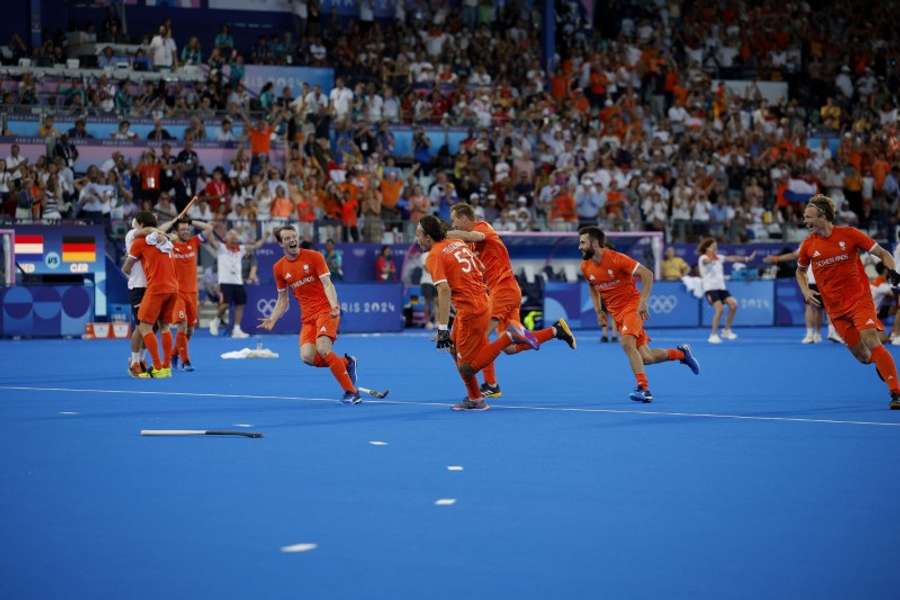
(338, 366)
(319, 361)
(472, 390)
(152, 347)
(168, 347)
(181, 344)
(542, 335)
(887, 368)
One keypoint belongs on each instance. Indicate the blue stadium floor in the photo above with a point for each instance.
(773, 474)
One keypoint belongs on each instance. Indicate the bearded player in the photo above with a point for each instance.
(306, 273)
(458, 278)
(506, 296)
(833, 252)
(186, 248)
(610, 275)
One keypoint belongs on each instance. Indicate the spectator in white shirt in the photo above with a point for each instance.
(163, 49)
(341, 100)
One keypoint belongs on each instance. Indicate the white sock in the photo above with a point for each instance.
(135, 357)
(810, 331)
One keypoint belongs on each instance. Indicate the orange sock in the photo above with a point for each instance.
(544, 335)
(320, 362)
(490, 374)
(884, 362)
(490, 352)
(338, 366)
(168, 347)
(674, 354)
(474, 392)
(181, 343)
(642, 381)
(153, 348)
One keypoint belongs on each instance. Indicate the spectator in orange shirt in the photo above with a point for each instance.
(385, 270)
(391, 189)
(282, 206)
(563, 216)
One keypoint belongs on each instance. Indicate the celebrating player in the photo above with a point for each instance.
(611, 278)
(712, 274)
(833, 252)
(305, 272)
(506, 296)
(186, 247)
(155, 254)
(458, 277)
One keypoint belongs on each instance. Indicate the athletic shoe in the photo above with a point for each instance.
(714, 339)
(352, 365)
(351, 398)
(471, 405)
(614, 339)
(604, 339)
(214, 327)
(521, 335)
(564, 333)
(238, 333)
(138, 371)
(186, 366)
(491, 391)
(689, 359)
(641, 395)
(175, 361)
(894, 342)
(160, 373)
(809, 338)
(895, 401)
(729, 334)
(817, 338)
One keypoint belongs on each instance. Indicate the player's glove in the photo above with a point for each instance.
(443, 339)
(894, 278)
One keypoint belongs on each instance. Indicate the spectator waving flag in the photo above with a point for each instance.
(800, 191)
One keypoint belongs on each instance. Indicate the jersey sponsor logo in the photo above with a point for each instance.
(266, 307)
(662, 304)
(825, 262)
(606, 285)
(185, 256)
(304, 281)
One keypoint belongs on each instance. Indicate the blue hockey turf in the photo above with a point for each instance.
(771, 475)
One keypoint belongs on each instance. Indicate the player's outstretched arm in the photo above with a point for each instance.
(466, 236)
(777, 258)
(281, 306)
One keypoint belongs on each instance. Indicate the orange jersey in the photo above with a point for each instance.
(453, 262)
(304, 276)
(493, 254)
(840, 276)
(158, 266)
(613, 279)
(185, 255)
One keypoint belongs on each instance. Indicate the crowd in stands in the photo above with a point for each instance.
(625, 126)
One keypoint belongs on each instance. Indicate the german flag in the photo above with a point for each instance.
(79, 248)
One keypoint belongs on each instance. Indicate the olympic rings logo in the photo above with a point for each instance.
(266, 307)
(663, 304)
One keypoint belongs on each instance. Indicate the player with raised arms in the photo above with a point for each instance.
(610, 275)
(306, 273)
(459, 278)
(833, 251)
(506, 296)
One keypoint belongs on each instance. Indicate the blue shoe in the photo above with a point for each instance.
(175, 362)
(352, 365)
(689, 359)
(641, 395)
(186, 366)
(521, 335)
(351, 398)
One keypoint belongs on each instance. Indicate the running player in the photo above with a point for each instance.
(186, 248)
(712, 274)
(506, 296)
(813, 314)
(458, 277)
(843, 285)
(610, 275)
(155, 255)
(306, 273)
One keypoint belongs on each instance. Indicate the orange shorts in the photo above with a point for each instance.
(322, 324)
(863, 316)
(507, 302)
(186, 309)
(631, 323)
(469, 335)
(157, 306)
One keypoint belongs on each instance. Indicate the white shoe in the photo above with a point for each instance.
(238, 333)
(895, 341)
(834, 337)
(729, 334)
(714, 339)
(214, 326)
(817, 338)
(810, 338)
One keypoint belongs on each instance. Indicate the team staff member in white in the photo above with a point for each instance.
(712, 274)
(231, 281)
